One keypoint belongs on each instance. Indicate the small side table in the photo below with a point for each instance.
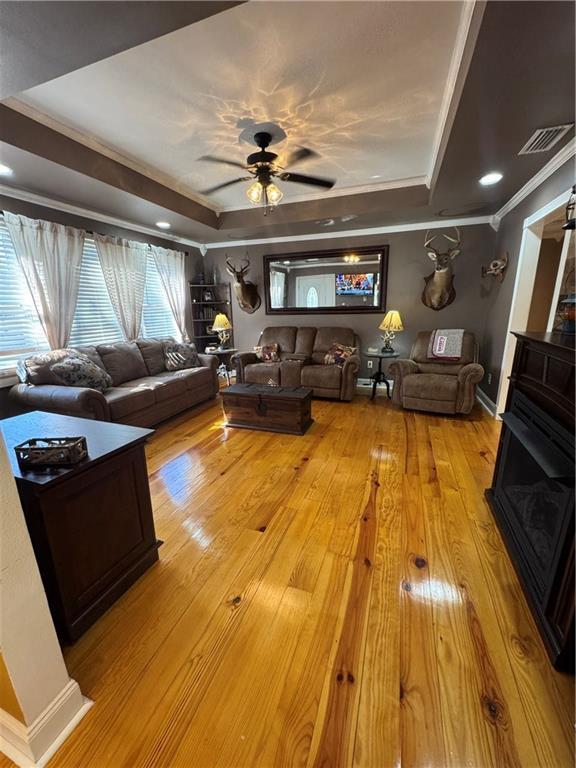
(380, 377)
(223, 356)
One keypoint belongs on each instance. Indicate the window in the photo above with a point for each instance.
(157, 317)
(20, 330)
(21, 333)
(94, 321)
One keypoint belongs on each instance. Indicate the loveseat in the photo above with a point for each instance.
(302, 361)
(440, 386)
(142, 394)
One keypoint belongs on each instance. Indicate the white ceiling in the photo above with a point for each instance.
(362, 83)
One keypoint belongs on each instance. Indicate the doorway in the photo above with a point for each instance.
(528, 298)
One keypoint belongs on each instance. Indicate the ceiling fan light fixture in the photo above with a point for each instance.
(274, 194)
(254, 193)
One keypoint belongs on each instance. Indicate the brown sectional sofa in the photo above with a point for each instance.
(143, 392)
(302, 352)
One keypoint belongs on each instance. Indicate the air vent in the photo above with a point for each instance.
(544, 139)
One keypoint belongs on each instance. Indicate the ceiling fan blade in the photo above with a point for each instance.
(222, 186)
(300, 154)
(315, 181)
(214, 159)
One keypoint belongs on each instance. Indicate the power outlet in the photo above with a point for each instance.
(370, 363)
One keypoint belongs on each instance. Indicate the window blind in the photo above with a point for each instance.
(157, 317)
(94, 320)
(20, 331)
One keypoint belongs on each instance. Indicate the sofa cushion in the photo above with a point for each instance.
(91, 353)
(80, 371)
(329, 335)
(323, 376)
(123, 361)
(262, 373)
(430, 386)
(178, 356)
(305, 337)
(123, 401)
(162, 387)
(193, 378)
(152, 350)
(268, 353)
(338, 354)
(37, 368)
(283, 335)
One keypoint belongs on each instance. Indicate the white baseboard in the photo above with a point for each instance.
(32, 746)
(364, 387)
(485, 402)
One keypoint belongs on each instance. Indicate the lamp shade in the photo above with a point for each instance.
(392, 321)
(221, 323)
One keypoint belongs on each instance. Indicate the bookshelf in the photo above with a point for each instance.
(207, 300)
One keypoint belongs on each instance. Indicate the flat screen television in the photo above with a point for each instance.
(355, 285)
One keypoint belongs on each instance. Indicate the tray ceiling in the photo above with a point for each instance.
(362, 83)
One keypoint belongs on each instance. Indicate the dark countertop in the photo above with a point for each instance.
(102, 438)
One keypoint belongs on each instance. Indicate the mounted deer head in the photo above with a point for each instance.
(439, 289)
(246, 292)
(497, 268)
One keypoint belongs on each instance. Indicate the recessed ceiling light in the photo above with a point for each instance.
(285, 262)
(376, 176)
(490, 178)
(5, 170)
(163, 224)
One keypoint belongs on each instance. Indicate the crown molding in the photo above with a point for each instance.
(468, 28)
(561, 157)
(360, 189)
(92, 143)
(59, 205)
(391, 229)
(167, 181)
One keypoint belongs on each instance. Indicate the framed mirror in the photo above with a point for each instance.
(320, 282)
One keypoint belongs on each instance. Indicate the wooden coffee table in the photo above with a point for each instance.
(273, 409)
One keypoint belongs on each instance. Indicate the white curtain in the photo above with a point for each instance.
(172, 271)
(277, 283)
(124, 268)
(50, 256)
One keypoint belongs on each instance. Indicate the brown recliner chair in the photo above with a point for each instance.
(302, 351)
(441, 386)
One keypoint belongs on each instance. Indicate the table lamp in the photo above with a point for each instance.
(222, 326)
(390, 325)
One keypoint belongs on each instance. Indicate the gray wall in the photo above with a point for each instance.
(408, 265)
(500, 298)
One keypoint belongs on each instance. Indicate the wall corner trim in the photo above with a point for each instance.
(486, 403)
(567, 151)
(32, 746)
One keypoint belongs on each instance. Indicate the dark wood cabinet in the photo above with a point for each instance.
(532, 493)
(91, 525)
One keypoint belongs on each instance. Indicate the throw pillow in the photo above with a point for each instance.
(80, 371)
(37, 369)
(338, 354)
(179, 356)
(268, 353)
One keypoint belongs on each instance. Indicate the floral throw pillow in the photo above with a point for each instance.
(338, 354)
(178, 356)
(79, 371)
(268, 353)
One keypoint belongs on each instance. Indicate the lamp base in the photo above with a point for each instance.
(387, 350)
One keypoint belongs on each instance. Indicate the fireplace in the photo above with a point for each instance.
(532, 498)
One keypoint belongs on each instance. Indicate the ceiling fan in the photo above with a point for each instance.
(263, 168)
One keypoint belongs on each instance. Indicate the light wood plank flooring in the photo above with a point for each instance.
(338, 599)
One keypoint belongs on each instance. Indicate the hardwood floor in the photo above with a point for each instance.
(338, 599)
